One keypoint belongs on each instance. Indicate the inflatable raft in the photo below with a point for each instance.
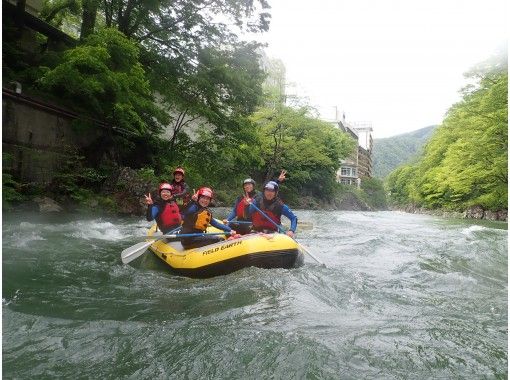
(258, 250)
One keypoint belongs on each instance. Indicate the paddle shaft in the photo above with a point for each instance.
(280, 228)
(131, 253)
(283, 231)
(195, 234)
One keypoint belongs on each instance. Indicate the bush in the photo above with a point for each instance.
(375, 193)
(10, 188)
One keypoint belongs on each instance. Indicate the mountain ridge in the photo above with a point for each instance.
(391, 152)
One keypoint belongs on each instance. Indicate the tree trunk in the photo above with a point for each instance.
(89, 18)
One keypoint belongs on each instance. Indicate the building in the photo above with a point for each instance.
(358, 164)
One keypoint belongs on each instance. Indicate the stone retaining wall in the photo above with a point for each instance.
(39, 137)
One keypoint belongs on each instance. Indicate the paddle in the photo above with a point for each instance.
(131, 253)
(280, 228)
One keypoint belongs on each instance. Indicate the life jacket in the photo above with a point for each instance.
(272, 210)
(168, 217)
(197, 221)
(180, 187)
(242, 207)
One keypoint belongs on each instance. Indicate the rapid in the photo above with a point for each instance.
(401, 296)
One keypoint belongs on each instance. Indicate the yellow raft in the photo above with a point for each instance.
(258, 250)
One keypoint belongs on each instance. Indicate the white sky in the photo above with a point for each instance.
(396, 63)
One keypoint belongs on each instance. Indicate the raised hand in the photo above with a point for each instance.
(281, 177)
(148, 199)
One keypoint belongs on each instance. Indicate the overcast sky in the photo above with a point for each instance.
(396, 63)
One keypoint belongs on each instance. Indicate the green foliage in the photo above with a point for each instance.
(104, 78)
(147, 174)
(223, 161)
(308, 148)
(10, 191)
(375, 193)
(465, 163)
(10, 188)
(391, 152)
(223, 88)
(183, 26)
(64, 14)
(76, 180)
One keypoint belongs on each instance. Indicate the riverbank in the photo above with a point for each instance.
(118, 203)
(474, 212)
(122, 193)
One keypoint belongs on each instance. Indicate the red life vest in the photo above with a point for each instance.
(168, 217)
(242, 208)
(273, 211)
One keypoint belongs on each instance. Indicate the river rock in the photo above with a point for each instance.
(474, 212)
(490, 215)
(128, 190)
(47, 204)
(503, 215)
(496, 215)
(350, 202)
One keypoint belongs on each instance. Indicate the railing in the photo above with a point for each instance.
(59, 111)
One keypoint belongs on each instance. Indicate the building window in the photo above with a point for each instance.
(345, 181)
(348, 172)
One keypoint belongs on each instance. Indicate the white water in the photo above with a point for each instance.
(402, 296)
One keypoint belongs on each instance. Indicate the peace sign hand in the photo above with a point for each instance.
(281, 177)
(247, 200)
(148, 199)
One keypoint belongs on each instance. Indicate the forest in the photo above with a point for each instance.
(465, 163)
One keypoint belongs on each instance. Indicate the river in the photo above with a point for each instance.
(402, 296)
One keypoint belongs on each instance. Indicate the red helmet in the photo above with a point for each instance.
(204, 191)
(179, 170)
(165, 186)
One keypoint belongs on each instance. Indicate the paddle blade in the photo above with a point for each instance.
(131, 253)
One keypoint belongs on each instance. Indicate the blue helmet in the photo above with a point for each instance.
(272, 185)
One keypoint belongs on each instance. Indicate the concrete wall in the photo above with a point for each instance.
(39, 137)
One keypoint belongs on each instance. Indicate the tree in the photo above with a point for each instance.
(306, 147)
(224, 88)
(465, 162)
(104, 78)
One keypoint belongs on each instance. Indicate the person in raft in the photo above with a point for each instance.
(197, 217)
(242, 203)
(164, 210)
(181, 188)
(273, 207)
